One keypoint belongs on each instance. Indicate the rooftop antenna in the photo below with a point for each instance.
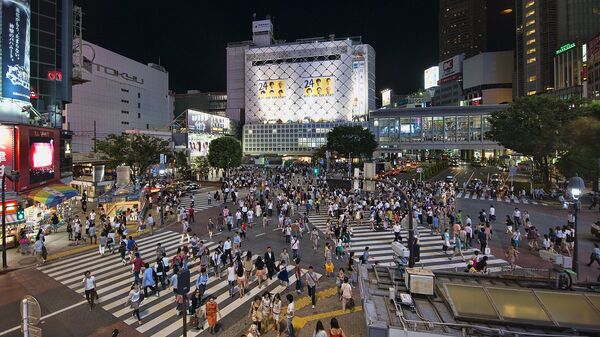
(253, 16)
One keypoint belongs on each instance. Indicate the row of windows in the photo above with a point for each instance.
(422, 129)
(127, 90)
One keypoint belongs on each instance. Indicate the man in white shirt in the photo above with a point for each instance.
(397, 228)
(492, 213)
(89, 282)
(517, 217)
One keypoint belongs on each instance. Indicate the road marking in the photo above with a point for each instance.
(259, 234)
(5, 332)
(300, 322)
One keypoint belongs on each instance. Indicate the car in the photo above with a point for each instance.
(191, 186)
(478, 163)
(450, 180)
(495, 177)
(454, 163)
(474, 182)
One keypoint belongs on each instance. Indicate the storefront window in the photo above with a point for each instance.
(486, 127)
(427, 129)
(450, 128)
(462, 128)
(475, 127)
(438, 129)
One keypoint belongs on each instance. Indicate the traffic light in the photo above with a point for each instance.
(20, 213)
(316, 171)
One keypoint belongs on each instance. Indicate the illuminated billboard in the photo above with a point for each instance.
(318, 86)
(386, 97)
(15, 16)
(7, 150)
(432, 76)
(451, 66)
(198, 143)
(358, 79)
(271, 89)
(203, 122)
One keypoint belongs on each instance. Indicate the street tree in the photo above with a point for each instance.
(534, 126)
(225, 153)
(181, 164)
(138, 152)
(200, 167)
(357, 140)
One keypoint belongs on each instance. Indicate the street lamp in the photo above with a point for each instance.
(575, 188)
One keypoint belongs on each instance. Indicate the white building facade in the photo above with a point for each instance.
(308, 81)
(117, 94)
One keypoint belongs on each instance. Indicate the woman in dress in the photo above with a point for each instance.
(260, 271)
(284, 256)
(134, 299)
(283, 276)
(267, 307)
(212, 311)
(256, 312)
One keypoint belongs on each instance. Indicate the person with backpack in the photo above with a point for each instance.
(149, 280)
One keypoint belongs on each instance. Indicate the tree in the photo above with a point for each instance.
(225, 153)
(352, 139)
(136, 151)
(181, 163)
(534, 126)
(320, 153)
(583, 139)
(200, 166)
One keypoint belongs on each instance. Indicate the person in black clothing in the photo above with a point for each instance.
(482, 265)
(195, 310)
(270, 262)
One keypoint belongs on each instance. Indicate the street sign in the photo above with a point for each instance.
(31, 307)
(419, 170)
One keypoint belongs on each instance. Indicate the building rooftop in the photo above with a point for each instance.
(464, 304)
(438, 110)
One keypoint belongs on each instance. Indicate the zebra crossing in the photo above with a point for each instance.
(200, 199)
(474, 196)
(158, 314)
(431, 254)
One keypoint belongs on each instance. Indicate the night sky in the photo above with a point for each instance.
(190, 36)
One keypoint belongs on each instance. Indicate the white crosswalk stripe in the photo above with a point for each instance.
(431, 254)
(158, 315)
(200, 199)
(474, 196)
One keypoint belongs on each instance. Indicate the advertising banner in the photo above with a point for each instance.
(198, 143)
(386, 97)
(451, 66)
(203, 122)
(7, 150)
(359, 79)
(432, 75)
(318, 86)
(39, 156)
(15, 16)
(271, 89)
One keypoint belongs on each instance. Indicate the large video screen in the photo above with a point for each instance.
(15, 49)
(271, 89)
(318, 86)
(41, 159)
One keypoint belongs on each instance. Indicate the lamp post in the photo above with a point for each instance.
(575, 188)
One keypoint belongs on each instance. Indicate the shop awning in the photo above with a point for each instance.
(52, 195)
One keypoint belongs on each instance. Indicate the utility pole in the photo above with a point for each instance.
(95, 136)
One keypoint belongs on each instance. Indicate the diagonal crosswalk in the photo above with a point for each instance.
(474, 196)
(380, 251)
(158, 313)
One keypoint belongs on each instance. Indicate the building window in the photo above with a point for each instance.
(124, 112)
(531, 60)
(529, 4)
(530, 13)
(530, 32)
(124, 90)
(530, 22)
(125, 101)
(530, 42)
(139, 105)
(147, 126)
(139, 95)
(124, 123)
(532, 92)
(531, 51)
(139, 115)
(532, 78)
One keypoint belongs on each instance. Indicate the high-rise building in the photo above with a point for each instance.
(544, 26)
(462, 28)
(213, 103)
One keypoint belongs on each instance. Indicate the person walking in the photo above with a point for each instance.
(320, 330)
(261, 273)
(346, 290)
(241, 279)
(289, 314)
(256, 312)
(196, 311)
(270, 262)
(511, 255)
(335, 330)
(212, 314)
(314, 238)
(295, 246)
(134, 299)
(595, 255)
(89, 282)
(149, 280)
(446, 244)
(312, 281)
(185, 230)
